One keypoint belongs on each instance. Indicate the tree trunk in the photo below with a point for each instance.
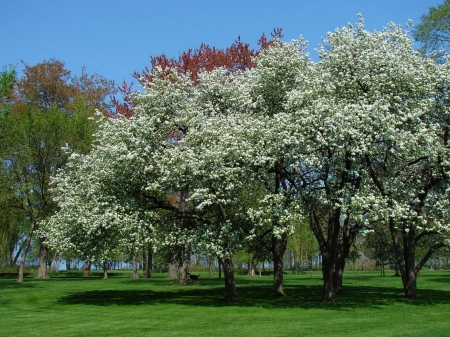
(149, 264)
(145, 263)
(172, 272)
(135, 272)
(338, 275)
(278, 249)
(43, 256)
(328, 279)
(25, 251)
(230, 286)
(220, 268)
(105, 270)
(182, 273)
(251, 266)
(183, 267)
(86, 268)
(408, 271)
(17, 256)
(211, 260)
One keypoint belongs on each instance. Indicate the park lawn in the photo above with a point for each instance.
(70, 305)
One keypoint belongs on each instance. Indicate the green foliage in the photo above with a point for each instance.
(8, 78)
(434, 29)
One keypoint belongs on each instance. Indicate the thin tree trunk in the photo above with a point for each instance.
(220, 268)
(17, 256)
(149, 264)
(25, 250)
(145, 263)
(105, 270)
(230, 286)
(211, 260)
(251, 266)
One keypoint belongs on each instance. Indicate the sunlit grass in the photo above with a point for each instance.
(70, 305)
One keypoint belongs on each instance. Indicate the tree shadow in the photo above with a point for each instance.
(300, 296)
(4, 276)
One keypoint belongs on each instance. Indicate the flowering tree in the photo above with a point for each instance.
(391, 112)
(229, 156)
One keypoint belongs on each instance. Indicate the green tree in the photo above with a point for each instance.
(378, 247)
(434, 29)
(51, 114)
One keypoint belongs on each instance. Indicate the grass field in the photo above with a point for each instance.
(69, 305)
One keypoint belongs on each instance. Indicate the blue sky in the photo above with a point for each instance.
(114, 38)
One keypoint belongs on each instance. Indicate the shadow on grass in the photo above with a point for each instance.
(301, 296)
(13, 275)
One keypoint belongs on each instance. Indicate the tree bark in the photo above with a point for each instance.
(135, 272)
(220, 268)
(278, 248)
(328, 278)
(172, 272)
(25, 251)
(230, 286)
(145, 263)
(86, 268)
(251, 266)
(149, 263)
(105, 270)
(211, 260)
(183, 267)
(338, 275)
(43, 256)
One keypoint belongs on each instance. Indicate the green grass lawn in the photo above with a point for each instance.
(69, 305)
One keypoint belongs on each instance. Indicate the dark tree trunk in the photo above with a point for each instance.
(86, 268)
(43, 257)
(145, 263)
(149, 263)
(338, 275)
(329, 252)
(278, 249)
(230, 286)
(220, 268)
(405, 258)
(328, 278)
(17, 256)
